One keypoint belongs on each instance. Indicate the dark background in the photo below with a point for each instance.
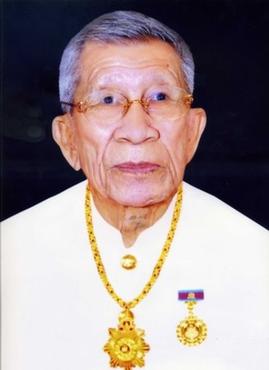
(230, 43)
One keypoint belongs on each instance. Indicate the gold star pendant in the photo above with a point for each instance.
(126, 345)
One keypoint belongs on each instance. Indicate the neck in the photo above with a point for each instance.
(130, 221)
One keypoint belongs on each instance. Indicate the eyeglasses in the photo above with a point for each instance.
(110, 105)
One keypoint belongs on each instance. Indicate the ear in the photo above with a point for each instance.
(63, 132)
(196, 122)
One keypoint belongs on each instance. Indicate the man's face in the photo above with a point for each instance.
(134, 160)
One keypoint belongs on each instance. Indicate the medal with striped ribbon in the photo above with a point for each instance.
(191, 331)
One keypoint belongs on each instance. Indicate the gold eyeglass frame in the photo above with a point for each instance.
(83, 106)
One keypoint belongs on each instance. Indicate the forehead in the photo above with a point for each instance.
(128, 63)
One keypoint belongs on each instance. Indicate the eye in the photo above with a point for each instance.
(108, 100)
(159, 96)
(112, 98)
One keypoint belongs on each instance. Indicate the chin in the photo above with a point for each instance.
(140, 196)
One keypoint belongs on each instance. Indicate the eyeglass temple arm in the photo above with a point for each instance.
(67, 103)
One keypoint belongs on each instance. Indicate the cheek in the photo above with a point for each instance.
(91, 144)
(175, 141)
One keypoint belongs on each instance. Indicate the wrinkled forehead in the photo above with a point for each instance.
(151, 61)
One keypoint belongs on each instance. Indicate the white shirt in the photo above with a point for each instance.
(56, 311)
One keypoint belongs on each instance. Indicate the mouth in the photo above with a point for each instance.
(137, 167)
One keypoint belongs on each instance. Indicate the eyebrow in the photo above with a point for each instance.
(103, 87)
(109, 82)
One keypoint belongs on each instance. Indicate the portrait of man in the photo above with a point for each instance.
(133, 267)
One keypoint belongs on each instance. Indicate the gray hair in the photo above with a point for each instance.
(120, 27)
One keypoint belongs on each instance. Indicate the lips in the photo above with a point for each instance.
(137, 167)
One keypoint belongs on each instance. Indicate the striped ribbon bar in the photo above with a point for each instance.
(191, 295)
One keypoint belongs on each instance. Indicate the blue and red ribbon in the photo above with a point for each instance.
(191, 295)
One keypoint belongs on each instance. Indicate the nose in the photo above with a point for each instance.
(135, 126)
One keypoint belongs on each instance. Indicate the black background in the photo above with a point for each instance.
(230, 43)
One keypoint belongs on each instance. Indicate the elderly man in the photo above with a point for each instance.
(132, 268)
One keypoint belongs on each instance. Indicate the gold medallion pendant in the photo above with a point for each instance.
(191, 331)
(126, 345)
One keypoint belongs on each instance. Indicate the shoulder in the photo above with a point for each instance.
(222, 232)
(226, 237)
(64, 199)
(207, 210)
(55, 212)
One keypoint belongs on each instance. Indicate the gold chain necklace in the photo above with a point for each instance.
(126, 346)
